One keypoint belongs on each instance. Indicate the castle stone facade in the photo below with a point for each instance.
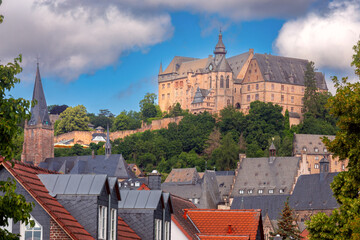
(212, 83)
(39, 131)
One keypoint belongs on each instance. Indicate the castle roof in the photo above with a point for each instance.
(220, 47)
(286, 70)
(175, 64)
(39, 112)
(310, 144)
(223, 66)
(237, 62)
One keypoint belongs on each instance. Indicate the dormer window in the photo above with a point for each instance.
(102, 222)
(260, 191)
(137, 184)
(281, 190)
(113, 224)
(250, 191)
(325, 150)
(271, 191)
(241, 191)
(304, 149)
(316, 149)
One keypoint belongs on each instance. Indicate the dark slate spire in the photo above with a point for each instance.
(107, 144)
(39, 112)
(220, 47)
(160, 70)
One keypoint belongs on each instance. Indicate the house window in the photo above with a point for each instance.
(257, 86)
(31, 233)
(248, 87)
(227, 82)
(272, 97)
(167, 230)
(272, 86)
(260, 191)
(282, 88)
(316, 165)
(113, 224)
(102, 222)
(256, 96)
(271, 191)
(282, 98)
(248, 98)
(292, 99)
(157, 229)
(250, 191)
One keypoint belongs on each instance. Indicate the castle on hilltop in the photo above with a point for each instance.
(212, 83)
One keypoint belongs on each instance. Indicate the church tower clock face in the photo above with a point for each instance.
(210, 67)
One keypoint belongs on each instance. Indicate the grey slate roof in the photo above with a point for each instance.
(205, 190)
(200, 94)
(73, 184)
(223, 66)
(225, 180)
(313, 193)
(139, 199)
(286, 70)
(39, 112)
(220, 47)
(260, 174)
(237, 62)
(270, 204)
(310, 142)
(113, 166)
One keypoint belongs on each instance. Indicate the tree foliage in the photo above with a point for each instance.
(57, 109)
(286, 226)
(227, 155)
(345, 106)
(72, 119)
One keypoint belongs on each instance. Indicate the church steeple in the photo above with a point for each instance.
(39, 112)
(107, 144)
(220, 47)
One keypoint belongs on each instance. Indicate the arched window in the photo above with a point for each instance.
(228, 102)
(227, 82)
(210, 81)
(221, 81)
(237, 106)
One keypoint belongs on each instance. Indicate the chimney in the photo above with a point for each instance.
(154, 180)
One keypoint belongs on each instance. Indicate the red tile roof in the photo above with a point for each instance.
(223, 237)
(212, 222)
(179, 204)
(124, 231)
(26, 175)
(143, 187)
(305, 234)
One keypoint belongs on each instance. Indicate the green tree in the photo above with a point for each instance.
(227, 155)
(72, 119)
(345, 106)
(57, 109)
(310, 95)
(286, 226)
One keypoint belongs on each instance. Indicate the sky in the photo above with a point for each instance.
(107, 54)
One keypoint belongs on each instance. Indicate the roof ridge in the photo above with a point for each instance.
(2, 160)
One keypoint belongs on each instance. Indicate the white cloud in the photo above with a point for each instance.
(78, 40)
(326, 38)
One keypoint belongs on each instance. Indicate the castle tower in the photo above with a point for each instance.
(219, 50)
(107, 144)
(38, 132)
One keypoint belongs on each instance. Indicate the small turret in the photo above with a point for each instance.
(272, 151)
(324, 168)
(220, 50)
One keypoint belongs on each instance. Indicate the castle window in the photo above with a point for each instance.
(176, 84)
(227, 82)
(325, 150)
(181, 84)
(255, 70)
(282, 88)
(271, 191)
(228, 102)
(210, 81)
(257, 86)
(237, 106)
(304, 149)
(342, 166)
(260, 191)
(221, 82)
(162, 96)
(168, 85)
(241, 191)
(272, 97)
(282, 98)
(249, 71)
(316, 149)
(256, 96)
(168, 95)
(292, 99)
(248, 87)
(317, 158)
(250, 191)
(292, 109)
(281, 190)
(302, 90)
(316, 165)
(272, 86)
(163, 86)
(235, 90)
(292, 88)
(248, 98)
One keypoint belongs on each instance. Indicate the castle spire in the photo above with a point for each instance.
(160, 70)
(39, 112)
(220, 47)
(107, 144)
